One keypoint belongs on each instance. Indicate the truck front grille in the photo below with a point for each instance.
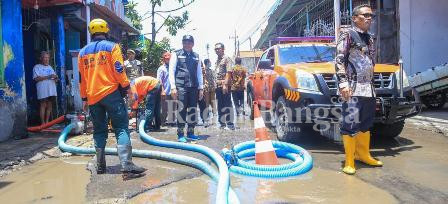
(382, 80)
(331, 81)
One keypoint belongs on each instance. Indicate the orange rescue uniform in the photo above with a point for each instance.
(140, 87)
(102, 71)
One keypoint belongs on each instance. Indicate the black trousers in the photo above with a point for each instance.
(358, 115)
(153, 108)
(238, 101)
(188, 99)
(204, 110)
(225, 109)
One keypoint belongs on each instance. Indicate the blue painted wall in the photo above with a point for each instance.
(58, 34)
(13, 96)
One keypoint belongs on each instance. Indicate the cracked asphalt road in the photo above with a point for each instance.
(414, 171)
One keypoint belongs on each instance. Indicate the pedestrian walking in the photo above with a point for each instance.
(185, 76)
(133, 66)
(45, 78)
(354, 67)
(223, 79)
(102, 74)
(238, 86)
(146, 89)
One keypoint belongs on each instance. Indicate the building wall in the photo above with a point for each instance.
(423, 34)
(12, 93)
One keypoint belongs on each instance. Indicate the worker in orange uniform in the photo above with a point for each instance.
(149, 88)
(102, 77)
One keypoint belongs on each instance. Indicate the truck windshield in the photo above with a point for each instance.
(306, 54)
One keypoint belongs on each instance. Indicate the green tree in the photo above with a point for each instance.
(133, 15)
(153, 56)
(171, 22)
(152, 50)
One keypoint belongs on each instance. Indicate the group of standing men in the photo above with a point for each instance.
(191, 82)
(106, 81)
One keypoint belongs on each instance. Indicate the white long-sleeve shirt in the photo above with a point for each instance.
(172, 71)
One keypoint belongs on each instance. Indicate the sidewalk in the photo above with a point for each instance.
(14, 154)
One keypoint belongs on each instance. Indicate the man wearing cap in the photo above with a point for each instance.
(163, 77)
(133, 66)
(223, 77)
(102, 74)
(185, 76)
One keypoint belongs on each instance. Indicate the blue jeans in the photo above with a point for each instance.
(153, 107)
(113, 107)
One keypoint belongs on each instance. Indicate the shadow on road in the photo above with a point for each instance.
(316, 143)
(4, 184)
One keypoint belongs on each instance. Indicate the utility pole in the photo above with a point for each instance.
(87, 2)
(208, 50)
(235, 38)
(250, 43)
(253, 52)
(337, 19)
(238, 53)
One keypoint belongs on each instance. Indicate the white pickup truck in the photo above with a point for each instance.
(432, 86)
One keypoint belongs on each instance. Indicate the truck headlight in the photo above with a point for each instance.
(405, 79)
(306, 81)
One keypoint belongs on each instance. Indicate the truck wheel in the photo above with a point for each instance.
(286, 130)
(388, 130)
(250, 101)
(435, 101)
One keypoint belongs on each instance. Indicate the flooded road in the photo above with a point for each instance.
(48, 181)
(414, 172)
(318, 186)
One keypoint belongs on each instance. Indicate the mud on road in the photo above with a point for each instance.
(414, 172)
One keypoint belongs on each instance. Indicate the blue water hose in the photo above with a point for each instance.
(224, 177)
(180, 159)
(302, 161)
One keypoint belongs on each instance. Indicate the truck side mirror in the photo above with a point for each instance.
(265, 64)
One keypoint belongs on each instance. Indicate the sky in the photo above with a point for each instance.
(212, 21)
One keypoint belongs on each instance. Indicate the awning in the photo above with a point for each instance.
(46, 3)
(103, 10)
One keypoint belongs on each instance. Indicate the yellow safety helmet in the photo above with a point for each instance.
(98, 26)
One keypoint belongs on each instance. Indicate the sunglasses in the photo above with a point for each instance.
(367, 15)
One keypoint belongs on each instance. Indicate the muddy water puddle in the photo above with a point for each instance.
(318, 186)
(48, 181)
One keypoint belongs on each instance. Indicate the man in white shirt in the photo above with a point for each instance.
(45, 78)
(163, 77)
(185, 76)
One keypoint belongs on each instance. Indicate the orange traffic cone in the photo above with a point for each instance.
(264, 150)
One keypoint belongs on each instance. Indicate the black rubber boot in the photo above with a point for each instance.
(128, 168)
(100, 161)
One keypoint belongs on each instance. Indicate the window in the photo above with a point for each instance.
(306, 54)
(271, 56)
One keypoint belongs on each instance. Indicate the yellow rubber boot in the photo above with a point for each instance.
(362, 152)
(349, 146)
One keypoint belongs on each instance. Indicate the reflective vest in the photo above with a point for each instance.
(101, 69)
(186, 69)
